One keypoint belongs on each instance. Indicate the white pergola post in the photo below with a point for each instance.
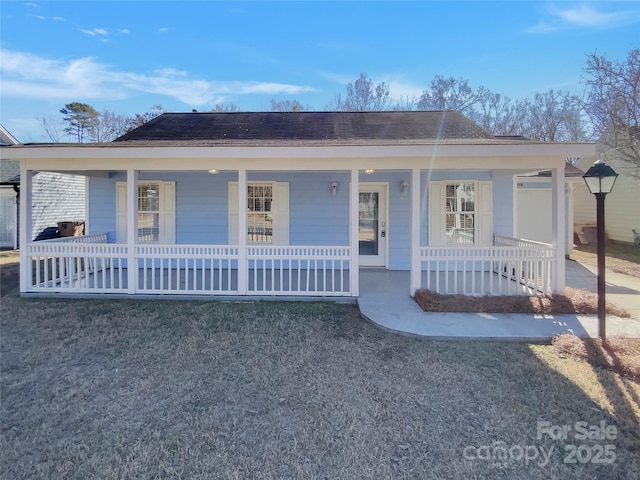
(132, 230)
(558, 230)
(243, 263)
(569, 229)
(354, 195)
(26, 225)
(416, 273)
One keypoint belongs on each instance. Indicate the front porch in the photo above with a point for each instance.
(89, 264)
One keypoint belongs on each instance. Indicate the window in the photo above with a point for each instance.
(260, 214)
(156, 211)
(460, 205)
(267, 213)
(148, 212)
(460, 212)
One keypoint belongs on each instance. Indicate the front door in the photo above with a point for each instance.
(372, 229)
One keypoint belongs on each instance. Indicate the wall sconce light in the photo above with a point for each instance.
(334, 188)
(213, 171)
(404, 187)
(369, 171)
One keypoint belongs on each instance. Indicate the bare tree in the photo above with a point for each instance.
(449, 94)
(53, 128)
(225, 107)
(109, 126)
(554, 116)
(406, 104)
(80, 118)
(612, 102)
(362, 96)
(140, 119)
(288, 106)
(495, 113)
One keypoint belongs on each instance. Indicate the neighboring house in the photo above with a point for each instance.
(56, 197)
(9, 194)
(296, 204)
(622, 205)
(534, 204)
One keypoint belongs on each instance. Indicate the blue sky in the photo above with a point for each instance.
(126, 56)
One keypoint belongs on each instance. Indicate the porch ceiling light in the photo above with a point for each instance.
(404, 187)
(369, 171)
(213, 171)
(334, 188)
(600, 178)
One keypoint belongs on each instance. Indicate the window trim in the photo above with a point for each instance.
(483, 211)
(280, 212)
(474, 213)
(167, 212)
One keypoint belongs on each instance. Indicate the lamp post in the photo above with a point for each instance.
(600, 179)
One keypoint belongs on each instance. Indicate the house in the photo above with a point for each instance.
(288, 204)
(534, 202)
(621, 206)
(56, 197)
(9, 194)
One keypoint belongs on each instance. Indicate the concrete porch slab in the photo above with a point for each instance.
(384, 300)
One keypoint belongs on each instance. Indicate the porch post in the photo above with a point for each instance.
(243, 263)
(26, 225)
(416, 274)
(354, 273)
(558, 230)
(132, 230)
(569, 211)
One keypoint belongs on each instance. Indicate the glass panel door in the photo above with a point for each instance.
(369, 223)
(372, 224)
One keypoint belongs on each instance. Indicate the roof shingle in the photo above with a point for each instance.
(308, 126)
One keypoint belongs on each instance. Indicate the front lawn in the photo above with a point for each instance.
(270, 390)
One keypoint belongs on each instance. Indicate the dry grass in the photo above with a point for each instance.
(574, 301)
(620, 258)
(621, 355)
(183, 389)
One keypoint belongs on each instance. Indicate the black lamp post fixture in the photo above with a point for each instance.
(600, 179)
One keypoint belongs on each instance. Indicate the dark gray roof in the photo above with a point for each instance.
(330, 127)
(9, 172)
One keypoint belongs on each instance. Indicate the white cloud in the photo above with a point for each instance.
(584, 16)
(171, 72)
(32, 5)
(124, 31)
(32, 77)
(59, 19)
(163, 29)
(94, 32)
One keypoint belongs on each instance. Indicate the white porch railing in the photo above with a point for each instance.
(97, 238)
(518, 242)
(495, 270)
(89, 264)
(298, 270)
(187, 269)
(77, 264)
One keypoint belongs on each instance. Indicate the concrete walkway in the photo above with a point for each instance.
(384, 300)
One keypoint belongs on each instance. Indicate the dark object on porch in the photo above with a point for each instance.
(71, 229)
(48, 233)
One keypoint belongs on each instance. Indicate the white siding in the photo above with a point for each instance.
(8, 214)
(57, 198)
(622, 212)
(534, 214)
